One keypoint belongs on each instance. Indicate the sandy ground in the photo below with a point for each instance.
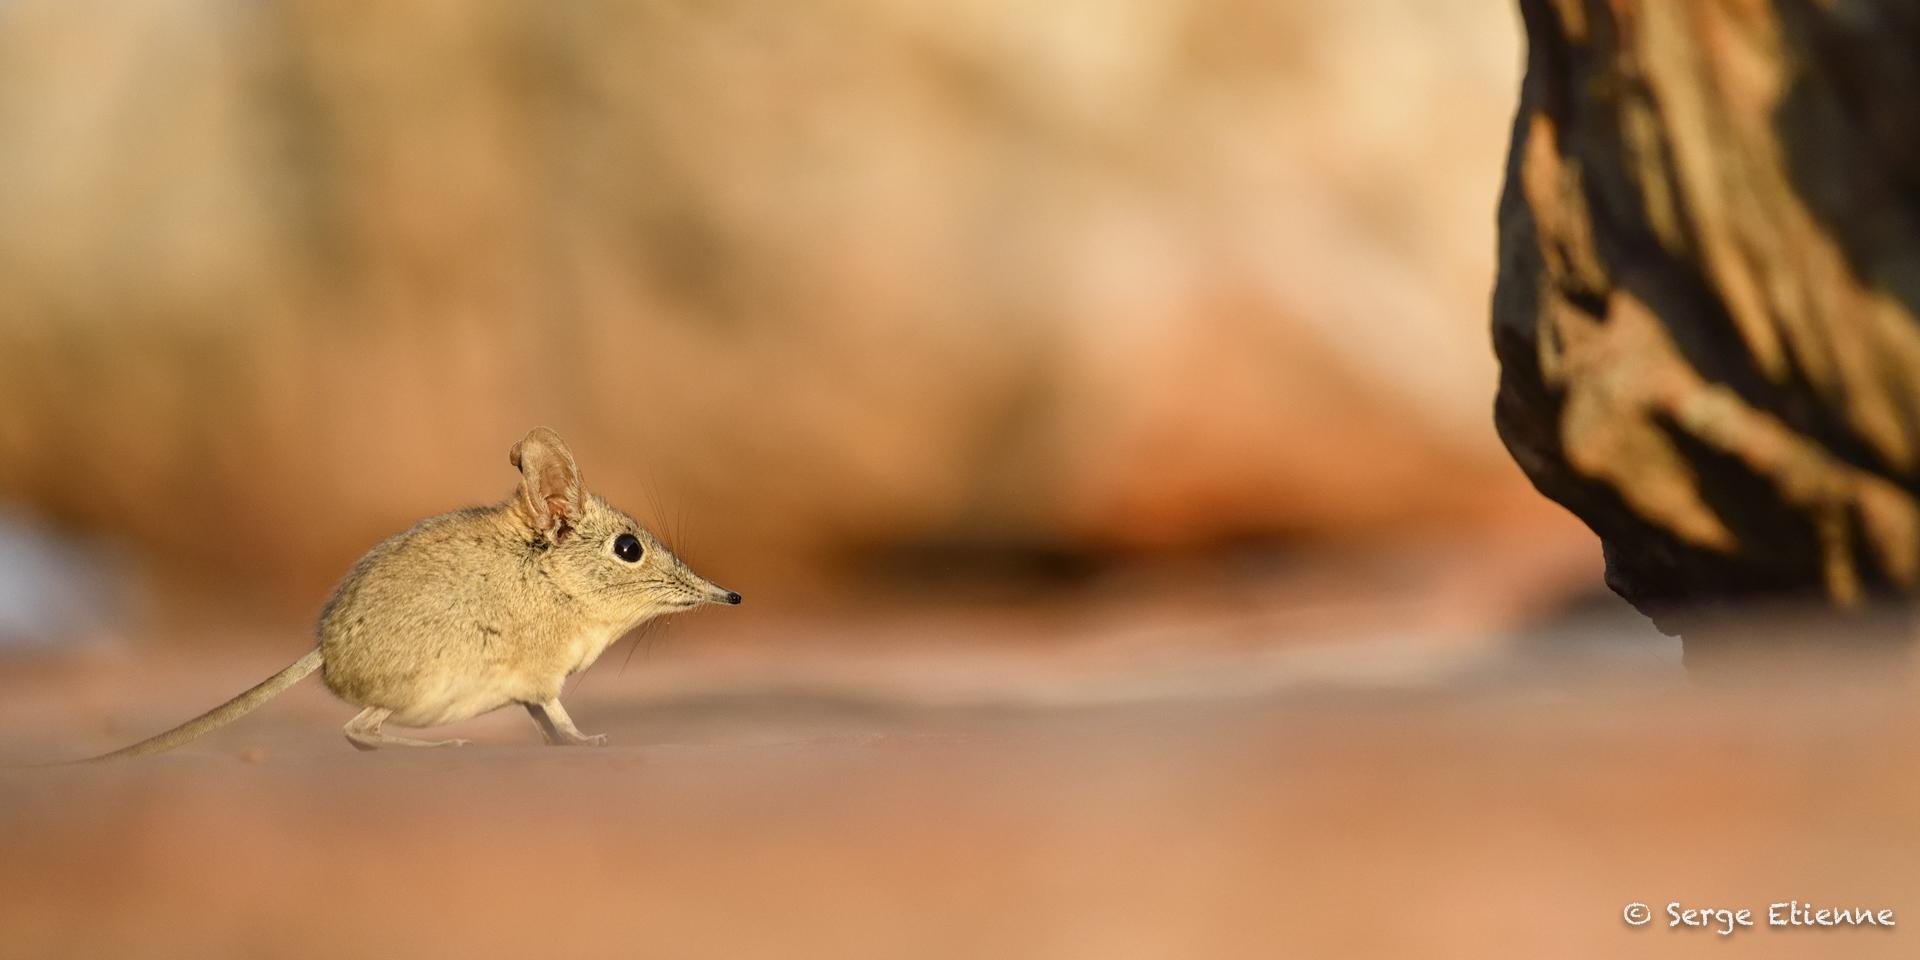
(851, 792)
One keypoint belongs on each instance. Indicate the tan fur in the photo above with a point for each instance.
(471, 611)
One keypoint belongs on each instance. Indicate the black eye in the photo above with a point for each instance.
(627, 547)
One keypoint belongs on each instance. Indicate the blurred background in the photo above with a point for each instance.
(1091, 400)
(850, 293)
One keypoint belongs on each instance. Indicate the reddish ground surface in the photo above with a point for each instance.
(913, 782)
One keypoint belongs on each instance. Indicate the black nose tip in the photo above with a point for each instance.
(732, 597)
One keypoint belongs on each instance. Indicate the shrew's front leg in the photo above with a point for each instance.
(558, 727)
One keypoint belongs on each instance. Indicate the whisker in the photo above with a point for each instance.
(652, 489)
(645, 633)
(633, 585)
(666, 628)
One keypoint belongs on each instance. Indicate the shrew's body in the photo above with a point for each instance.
(471, 611)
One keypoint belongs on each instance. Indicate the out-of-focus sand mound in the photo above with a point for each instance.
(931, 783)
(828, 280)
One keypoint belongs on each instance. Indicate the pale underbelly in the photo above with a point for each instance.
(450, 699)
(450, 696)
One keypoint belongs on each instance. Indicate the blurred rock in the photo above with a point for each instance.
(1708, 272)
(812, 283)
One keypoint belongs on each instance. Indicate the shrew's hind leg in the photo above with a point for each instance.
(558, 727)
(363, 731)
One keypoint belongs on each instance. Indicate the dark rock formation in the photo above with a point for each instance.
(1709, 266)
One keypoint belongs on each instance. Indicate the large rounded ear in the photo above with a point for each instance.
(551, 500)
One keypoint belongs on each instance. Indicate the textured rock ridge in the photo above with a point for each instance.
(1708, 272)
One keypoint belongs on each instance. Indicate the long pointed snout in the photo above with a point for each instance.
(714, 593)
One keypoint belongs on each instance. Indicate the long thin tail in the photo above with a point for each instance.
(221, 715)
